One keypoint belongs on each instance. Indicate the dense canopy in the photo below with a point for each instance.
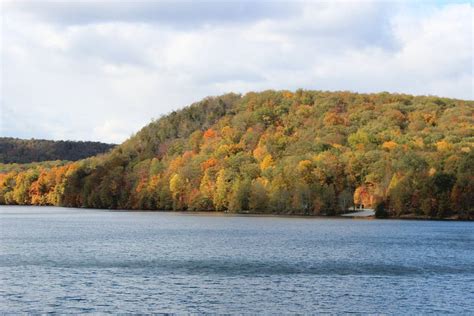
(303, 152)
(14, 150)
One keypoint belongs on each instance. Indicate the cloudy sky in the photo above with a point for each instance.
(100, 70)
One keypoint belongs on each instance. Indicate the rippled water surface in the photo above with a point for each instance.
(75, 260)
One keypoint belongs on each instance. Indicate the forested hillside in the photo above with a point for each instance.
(14, 150)
(303, 152)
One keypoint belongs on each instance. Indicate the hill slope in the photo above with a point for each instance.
(14, 150)
(307, 152)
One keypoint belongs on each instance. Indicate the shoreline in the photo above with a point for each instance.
(250, 214)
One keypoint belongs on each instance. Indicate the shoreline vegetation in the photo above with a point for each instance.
(309, 153)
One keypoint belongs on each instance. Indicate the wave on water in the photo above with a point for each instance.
(243, 267)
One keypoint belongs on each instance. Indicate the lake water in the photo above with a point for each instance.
(76, 260)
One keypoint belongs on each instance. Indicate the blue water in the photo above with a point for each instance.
(75, 260)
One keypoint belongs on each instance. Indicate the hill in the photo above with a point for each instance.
(14, 150)
(303, 152)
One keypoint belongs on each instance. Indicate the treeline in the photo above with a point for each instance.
(14, 150)
(18, 167)
(303, 152)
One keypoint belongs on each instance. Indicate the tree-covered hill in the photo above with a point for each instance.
(15, 150)
(303, 152)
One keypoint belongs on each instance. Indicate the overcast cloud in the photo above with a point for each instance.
(101, 70)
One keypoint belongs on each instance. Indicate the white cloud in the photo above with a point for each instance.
(112, 130)
(102, 77)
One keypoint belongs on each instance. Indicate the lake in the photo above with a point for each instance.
(78, 260)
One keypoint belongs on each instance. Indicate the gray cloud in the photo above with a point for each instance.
(109, 48)
(364, 23)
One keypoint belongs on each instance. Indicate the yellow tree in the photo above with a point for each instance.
(178, 191)
(223, 186)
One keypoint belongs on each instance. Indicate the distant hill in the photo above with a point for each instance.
(15, 150)
(282, 152)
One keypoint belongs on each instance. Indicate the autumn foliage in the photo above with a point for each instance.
(302, 152)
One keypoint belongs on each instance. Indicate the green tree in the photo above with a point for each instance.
(239, 198)
(258, 197)
(381, 211)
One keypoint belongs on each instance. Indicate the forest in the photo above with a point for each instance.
(280, 152)
(15, 150)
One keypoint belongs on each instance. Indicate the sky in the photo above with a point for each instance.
(101, 70)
